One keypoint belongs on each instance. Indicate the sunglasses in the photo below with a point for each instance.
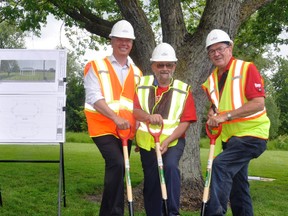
(162, 65)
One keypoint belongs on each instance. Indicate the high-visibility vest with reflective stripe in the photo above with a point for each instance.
(233, 97)
(170, 106)
(118, 98)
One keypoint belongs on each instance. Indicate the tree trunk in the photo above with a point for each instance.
(193, 65)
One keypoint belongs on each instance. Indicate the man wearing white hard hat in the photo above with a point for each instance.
(109, 87)
(236, 91)
(160, 98)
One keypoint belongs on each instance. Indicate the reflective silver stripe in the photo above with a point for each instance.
(115, 105)
(237, 85)
(126, 103)
(236, 77)
(213, 91)
(105, 79)
(143, 94)
(179, 94)
(167, 130)
(237, 82)
(112, 105)
(255, 114)
(146, 80)
(137, 73)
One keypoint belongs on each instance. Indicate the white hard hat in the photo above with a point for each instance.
(217, 36)
(164, 52)
(122, 29)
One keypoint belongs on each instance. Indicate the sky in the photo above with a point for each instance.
(53, 35)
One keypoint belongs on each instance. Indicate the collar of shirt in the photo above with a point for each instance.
(120, 71)
(229, 63)
(159, 89)
(222, 78)
(227, 67)
(113, 61)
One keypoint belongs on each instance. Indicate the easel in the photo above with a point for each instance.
(61, 186)
(26, 102)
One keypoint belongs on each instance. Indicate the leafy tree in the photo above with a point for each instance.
(273, 112)
(168, 21)
(280, 85)
(11, 36)
(262, 29)
(75, 119)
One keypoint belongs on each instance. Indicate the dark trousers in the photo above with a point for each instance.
(152, 190)
(113, 194)
(229, 179)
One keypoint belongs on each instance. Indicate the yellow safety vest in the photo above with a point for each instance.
(170, 106)
(233, 97)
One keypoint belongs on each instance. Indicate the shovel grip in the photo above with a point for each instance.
(156, 134)
(211, 136)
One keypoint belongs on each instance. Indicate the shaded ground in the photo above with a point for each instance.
(190, 200)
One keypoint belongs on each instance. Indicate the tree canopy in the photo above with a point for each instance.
(158, 19)
(11, 36)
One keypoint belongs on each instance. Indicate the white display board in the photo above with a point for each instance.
(32, 96)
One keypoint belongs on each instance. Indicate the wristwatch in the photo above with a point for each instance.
(229, 117)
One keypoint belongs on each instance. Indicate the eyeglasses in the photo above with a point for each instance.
(220, 50)
(162, 65)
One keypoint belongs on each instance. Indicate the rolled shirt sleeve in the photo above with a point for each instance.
(92, 87)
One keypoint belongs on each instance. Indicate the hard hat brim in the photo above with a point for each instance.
(111, 36)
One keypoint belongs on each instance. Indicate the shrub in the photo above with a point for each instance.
(79, 137)
(280, 143)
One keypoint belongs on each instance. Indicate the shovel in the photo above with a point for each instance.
(156, 136)
(127, 170)
(212, 138)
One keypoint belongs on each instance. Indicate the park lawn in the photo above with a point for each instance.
(30, 189)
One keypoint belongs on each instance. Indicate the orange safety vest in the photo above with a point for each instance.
(118, 98)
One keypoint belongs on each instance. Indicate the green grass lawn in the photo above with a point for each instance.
(30, 189)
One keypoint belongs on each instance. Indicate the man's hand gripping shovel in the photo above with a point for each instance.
(156, 136)
(127, 169)
(212, 138)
